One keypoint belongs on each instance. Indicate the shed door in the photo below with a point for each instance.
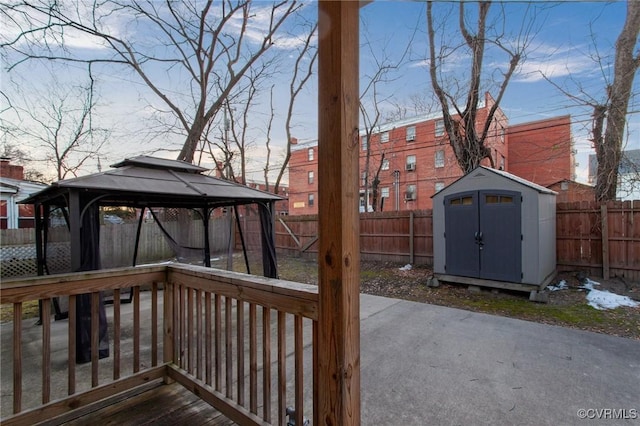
(483, 235)
(460, 225)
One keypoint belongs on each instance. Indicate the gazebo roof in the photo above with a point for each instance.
(154, 182)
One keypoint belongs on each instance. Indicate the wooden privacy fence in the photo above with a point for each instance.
(403, 237)
(601, 240)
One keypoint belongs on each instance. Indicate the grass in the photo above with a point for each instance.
(570, 315)
(572, 310)
(29, 310)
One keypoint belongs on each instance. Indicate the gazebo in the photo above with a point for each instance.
(144, 183)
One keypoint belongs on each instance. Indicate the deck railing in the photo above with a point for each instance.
(242, 343)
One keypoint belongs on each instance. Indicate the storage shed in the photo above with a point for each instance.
(495, 229)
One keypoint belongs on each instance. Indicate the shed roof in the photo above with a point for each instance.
(482, 169)
(155, 182)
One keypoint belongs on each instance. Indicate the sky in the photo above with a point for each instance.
(563, 39)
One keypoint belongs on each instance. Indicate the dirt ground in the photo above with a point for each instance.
(566, 308)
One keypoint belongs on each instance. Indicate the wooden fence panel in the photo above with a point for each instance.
(623, 229)
(384, 236)
(576, 232)
(581, 242)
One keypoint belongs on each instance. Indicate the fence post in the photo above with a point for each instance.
(411, 235)
(605, 240)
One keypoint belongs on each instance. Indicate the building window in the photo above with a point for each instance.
(501, 134)
(502, 162)
(310, 176)
(385, 164)
(310, 154)
(439, 161)
(364, 179)
(439, 128)
(411, 193)
(384, 192)
(384, 137)
(311, 200)
(411, 163)
(364, 140)
(439, 186)
(411, 133)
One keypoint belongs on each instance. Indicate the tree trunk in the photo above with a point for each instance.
(609, 146)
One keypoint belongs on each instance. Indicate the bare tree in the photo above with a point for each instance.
(610, 117)
(302, 72)
(267, 142)
(382, 73)
(419, 104)
(609, 114)
(629, 175)
(209, 46)
(239, 119)
(467, 131)
(59, 129)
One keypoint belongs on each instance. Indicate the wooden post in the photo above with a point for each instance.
(338, 348)
(168, 325)
(411, 236)
(605, 241)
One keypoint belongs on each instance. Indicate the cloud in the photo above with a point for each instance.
(259, 23)
(19, 25)
(555, 62)
(535, 70)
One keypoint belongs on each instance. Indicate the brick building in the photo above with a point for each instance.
(570, 191)
(282, 207)
(541, 151)
(412, 160)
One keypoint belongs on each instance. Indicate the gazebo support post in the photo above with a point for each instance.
(244, 246)
(206, 212)
(135, 248)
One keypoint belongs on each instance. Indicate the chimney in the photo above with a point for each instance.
(10, 171)
(294, 141)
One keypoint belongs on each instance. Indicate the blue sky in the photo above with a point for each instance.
(565, 35)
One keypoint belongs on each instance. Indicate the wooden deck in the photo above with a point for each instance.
(160, 405)
(239, 343)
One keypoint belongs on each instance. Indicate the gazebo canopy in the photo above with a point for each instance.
(146, 182)
(154, 182)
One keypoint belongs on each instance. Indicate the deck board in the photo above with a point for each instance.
(163, 405)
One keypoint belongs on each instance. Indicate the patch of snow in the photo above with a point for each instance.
(406, 267)
(602, 299)
(562, 285)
